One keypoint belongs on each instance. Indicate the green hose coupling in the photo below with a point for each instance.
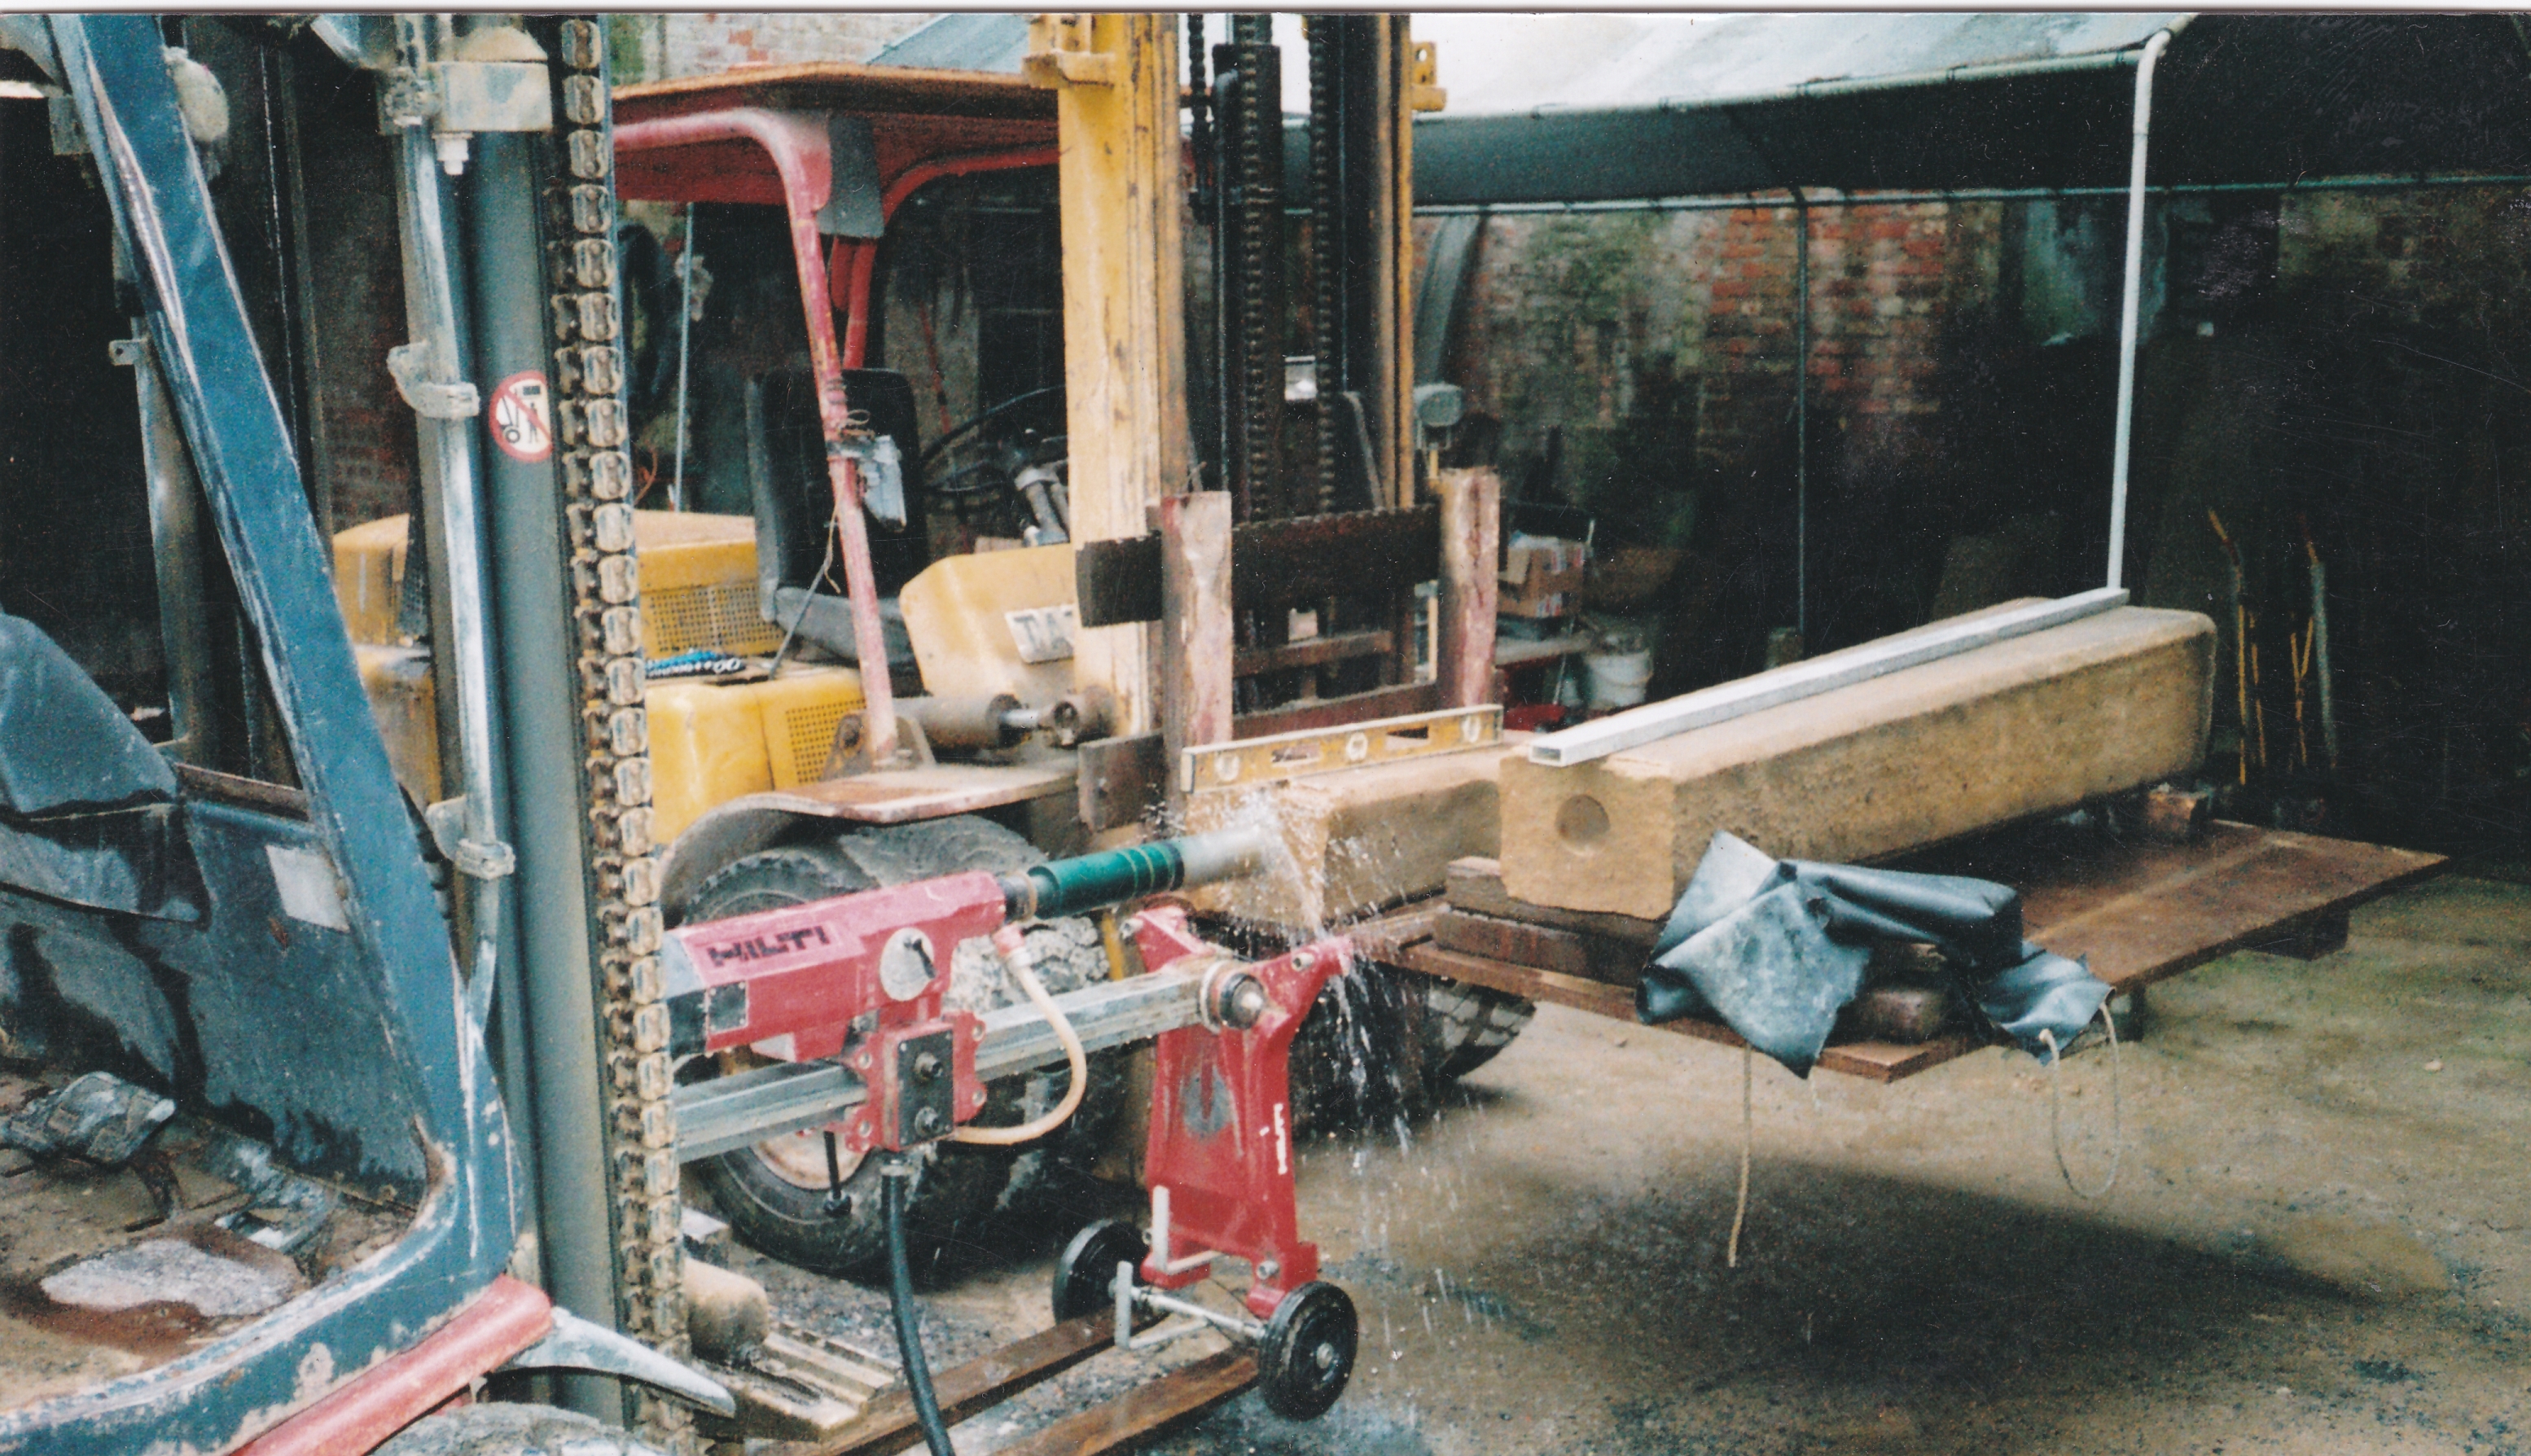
(1113, 876)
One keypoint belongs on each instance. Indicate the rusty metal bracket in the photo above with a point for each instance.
(410, 363)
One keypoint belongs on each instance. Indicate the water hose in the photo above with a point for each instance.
(1012, 942)
(895, 1174)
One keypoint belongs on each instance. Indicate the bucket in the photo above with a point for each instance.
(1619, 679)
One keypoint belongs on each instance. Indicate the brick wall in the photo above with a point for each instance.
(2356, 362)
(663, 46)
(1695, 312)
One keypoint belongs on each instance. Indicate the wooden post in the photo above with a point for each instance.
(1114, 76)
(1195, 620)
(1463, 648)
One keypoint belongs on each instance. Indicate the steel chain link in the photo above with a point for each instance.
(586, 329)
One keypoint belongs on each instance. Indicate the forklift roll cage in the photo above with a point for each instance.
(854, 144)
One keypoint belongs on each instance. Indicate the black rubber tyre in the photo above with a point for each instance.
(774, 1194)
(503, 1428)
(1308, 1352)
(1085, 1276)
(1465, 1026)
(1383, 1044)
(1046, 1177)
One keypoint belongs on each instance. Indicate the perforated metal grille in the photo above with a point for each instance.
(722, 618)
(812, 731)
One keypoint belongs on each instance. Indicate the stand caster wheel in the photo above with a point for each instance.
(1084, 1277)
(1308, 1352)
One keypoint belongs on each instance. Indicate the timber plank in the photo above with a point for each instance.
(1145, 1410)
(2138, 912)
(1875, 1061)
(1475, 885)
(1547, 947)
(888, 1424)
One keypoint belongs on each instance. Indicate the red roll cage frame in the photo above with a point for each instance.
(764, 135)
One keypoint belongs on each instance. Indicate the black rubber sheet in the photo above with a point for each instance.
(1776, 948)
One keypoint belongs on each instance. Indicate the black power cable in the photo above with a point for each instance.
(894, 1175)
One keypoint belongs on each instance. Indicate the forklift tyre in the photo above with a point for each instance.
(774, 1194)
(1465, 1026)
(1386, 1042)
(1084, 1277)
(1308, 1352)
(502, 1428)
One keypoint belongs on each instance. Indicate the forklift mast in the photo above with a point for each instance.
(1267, 509)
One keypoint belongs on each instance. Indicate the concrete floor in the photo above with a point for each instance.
(2317, 1243)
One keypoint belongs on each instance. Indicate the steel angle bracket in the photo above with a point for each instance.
(1250, 761)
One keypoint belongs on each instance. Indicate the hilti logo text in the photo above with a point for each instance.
(767, 947)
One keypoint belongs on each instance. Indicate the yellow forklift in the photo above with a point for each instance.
(389, 1084)
(1208, 537)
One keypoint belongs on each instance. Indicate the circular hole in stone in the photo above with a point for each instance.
(1582, 822)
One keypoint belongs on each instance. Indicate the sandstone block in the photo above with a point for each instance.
(2030, 725)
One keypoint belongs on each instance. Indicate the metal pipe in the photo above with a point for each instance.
(434, 383)
(797, 150)
(2419, 183)
(1802, 420)
(851, 265)
(175, 538)
(2130, 306)
(685, 335)
(505, 286)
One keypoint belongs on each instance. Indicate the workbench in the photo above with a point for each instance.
(2138, 910)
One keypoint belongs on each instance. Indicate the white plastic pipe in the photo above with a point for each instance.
(2130, 306)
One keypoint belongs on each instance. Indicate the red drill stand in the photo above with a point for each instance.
(850, 991)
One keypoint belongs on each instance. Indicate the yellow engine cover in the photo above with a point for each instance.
(977, 621)
(404, 703)
(369, 576)
(697, 583)
(712, 742)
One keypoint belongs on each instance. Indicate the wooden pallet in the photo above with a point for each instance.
(2138, 912)
(888, 1424)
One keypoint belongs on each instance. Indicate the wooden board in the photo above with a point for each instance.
(1145, 1410)
(2139, 912)
(888, 1424)
(2143, 912)
(1470, 540)
(1874, 1060)
(1568, 952)
(2017, 728)
(901, 796)
(1475, 885)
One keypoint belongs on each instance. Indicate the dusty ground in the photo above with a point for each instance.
(2317, 1243)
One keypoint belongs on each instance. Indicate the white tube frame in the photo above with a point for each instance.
(2130, 306)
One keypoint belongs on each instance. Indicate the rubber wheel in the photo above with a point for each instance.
(1308, 1352)
(774, 1194)
(502, 1428)
(1465, 1026)
(1084, 1277)
(1383, 1044)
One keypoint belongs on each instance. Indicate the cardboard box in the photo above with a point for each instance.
(1543, 576)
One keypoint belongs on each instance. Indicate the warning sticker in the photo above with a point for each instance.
(522, 418)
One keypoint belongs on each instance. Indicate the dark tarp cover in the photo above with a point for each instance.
(1778, 947)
